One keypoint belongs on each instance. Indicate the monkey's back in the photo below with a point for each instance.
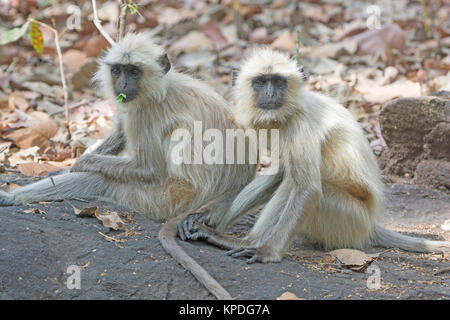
(192, 101)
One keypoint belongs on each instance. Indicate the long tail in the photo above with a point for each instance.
(167, 236)
(388, 238)
(77, 185)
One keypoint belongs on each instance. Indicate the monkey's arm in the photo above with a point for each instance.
(113, 167)
(257, 192)
(114, 143)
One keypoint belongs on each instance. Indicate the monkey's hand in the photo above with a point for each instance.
(255, 254)
(192, 227)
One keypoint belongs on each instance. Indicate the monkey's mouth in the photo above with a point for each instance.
(270, 105)
(129, 97)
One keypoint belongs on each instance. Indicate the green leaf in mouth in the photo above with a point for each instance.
(120, 97)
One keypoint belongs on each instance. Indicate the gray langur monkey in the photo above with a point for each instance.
(328, 188)
(157, 101)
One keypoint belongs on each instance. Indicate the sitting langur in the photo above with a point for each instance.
(157, 101)
(328, 188)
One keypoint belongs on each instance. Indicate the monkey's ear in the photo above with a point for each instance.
(102, 55)
(234, 76)
(164, 62)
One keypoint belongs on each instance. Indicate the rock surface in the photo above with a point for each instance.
(37, 248)
(417, 130)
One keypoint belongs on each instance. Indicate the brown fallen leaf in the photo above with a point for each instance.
(18, 100)
(34, 211)
(127, 217)
(353, 259)
(336, 50)
(289, 296)
(24, 156)
(212, 30)
(86, 212)
(35, 133)
(111, 219)
(378, 40)
(7, 187)
(375, 93)
(285, 41)
(172, 16)
(192, 42)
(36, 169)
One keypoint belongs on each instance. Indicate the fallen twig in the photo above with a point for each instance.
(62, 197)
(73, 106)
(117, 242)
(444, 270)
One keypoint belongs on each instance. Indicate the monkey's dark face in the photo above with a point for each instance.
(126, 78)
(270, 91)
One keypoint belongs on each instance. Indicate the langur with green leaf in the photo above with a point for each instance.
(152, 100)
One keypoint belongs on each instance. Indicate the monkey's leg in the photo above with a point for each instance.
(193, 226)
(113, 167)
(71, 185)
(254, 194)
(257, 192)
(345, 218)
(273, 232)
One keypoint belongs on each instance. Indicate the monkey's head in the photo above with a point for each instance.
(267, 87)
(134, 68)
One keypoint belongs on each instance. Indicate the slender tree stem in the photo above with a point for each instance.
(61, 70)
(98, 24)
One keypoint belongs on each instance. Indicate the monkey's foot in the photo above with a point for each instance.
(188, 229)
(252, 254)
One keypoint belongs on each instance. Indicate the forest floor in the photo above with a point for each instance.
(38, 245)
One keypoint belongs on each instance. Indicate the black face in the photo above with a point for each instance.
(270, 90)
(126, 77)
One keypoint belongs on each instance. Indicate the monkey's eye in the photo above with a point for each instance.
(135, 71)
(259, 83)
(115, 71)
(280, 82)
